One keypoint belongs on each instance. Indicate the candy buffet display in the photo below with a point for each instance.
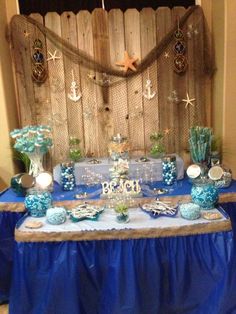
(67, 176)
(169, 169)
(118, 147)
(190, 211)
(56, 215)
(37, 202)
(85, 211)
(158, 208)
(204, 193)
(34, 141)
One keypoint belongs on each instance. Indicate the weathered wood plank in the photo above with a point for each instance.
(88, 88)
(117, 48)
(148, 42)
(134, 85)
(26, 95)
(58, 97)
(74, 109)
(167, 107)
(102, 55)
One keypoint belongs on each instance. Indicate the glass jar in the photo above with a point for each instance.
(204, 193)
(67, 176)
(21, 182)
(169, 169)
(118, 147)
(75, 153)
(37, 202)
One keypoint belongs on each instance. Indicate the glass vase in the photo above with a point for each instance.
(36, 163)
(67, 176)
(169, 169)
(37, 202)
(204, 193)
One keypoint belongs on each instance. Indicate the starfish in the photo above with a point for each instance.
(26, 33)
(166, 54)
(127, 63)
(167, 131)
(53, 56)
(188, 101)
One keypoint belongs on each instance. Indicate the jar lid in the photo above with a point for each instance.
(27, 181)
(44, 179)
(118, 138)
(67, 164)
(193, 171)
(215, 173)
(169, 158)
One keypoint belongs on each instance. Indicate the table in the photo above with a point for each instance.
(125, 274)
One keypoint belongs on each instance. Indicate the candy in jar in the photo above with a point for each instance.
(169, 169)
(67, 176)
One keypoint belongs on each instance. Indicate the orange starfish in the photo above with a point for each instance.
(127, 63)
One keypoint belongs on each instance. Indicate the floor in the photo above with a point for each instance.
(3, 309)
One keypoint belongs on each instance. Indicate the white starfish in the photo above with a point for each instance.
(188, 101)
(166, 54)
(53, 56)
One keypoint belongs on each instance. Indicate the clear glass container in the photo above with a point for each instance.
(68, 176)
(37, 202)
(169, 169)
(204, 193)
(118, 147)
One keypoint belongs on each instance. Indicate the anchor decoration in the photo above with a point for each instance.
(148, 94)
(74, 95)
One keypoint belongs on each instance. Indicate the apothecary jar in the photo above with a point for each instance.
(204, 193)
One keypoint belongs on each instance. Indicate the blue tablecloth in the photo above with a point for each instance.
(191, 274)
(8, 221)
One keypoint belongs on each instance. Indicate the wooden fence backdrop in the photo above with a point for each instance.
(105, 36)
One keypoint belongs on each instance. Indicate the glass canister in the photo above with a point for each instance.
(75, 152)
(169, 169)
(118, 147)
(37, 202)
(68, 176)
(21, 182)
(204, 193)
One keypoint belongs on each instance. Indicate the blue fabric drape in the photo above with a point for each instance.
(190, 275)
(8, 221)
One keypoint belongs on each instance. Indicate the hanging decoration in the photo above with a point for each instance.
(188, 101)
(39, 73)
(180, 61)
(127, 63)
(191, 31)
(26, 34)
(74, 95)
(173, 97)
(53, 56)
(148, 94)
